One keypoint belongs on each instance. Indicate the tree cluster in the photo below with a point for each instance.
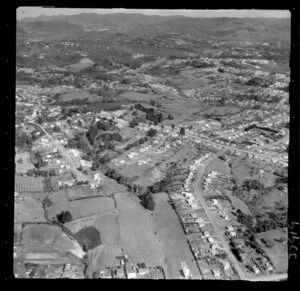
(136, 120)
(151, 132)
(64, 217)
(47, 202)
(267, 242)
(40, 173)
(244, 219)
(37, 160)
(88, 237)
(200, 64)
(170, 117)
(147, 201)
(136, 143)
(257, 81)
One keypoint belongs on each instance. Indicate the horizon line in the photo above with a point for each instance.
(151, 12)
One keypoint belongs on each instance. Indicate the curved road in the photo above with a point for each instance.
(197, 191)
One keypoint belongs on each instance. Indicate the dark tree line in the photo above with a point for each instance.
(136, 143)
(151, 114)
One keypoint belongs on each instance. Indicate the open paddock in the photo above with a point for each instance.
(23, 164)
(79, 95)
(83, 207)
(138, 97)
(44, 239)
(170, 232)
(29, 210)
(278, 253)
(81, 192)
(138, 239)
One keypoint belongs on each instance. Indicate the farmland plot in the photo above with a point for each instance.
(81, 192)
(29, 210)
(137, 237)
(171, 234)
(23, 163)
(83, 208)
(28, 184)
(44, 241)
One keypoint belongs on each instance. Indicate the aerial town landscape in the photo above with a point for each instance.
(151, 147)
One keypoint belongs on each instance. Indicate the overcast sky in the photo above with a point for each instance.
(36, 11)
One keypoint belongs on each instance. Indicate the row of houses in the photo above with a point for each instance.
(69, 271)
(129, 270)
(201, 238)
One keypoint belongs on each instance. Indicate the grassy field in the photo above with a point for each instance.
(219, 166)
(82, 208)
(240, 169)
(44, 239)
(23, 163)
(77, 224)
(36, 196)
(190, 81)
(272, 198)
(137, 237)
(29, 210)
(167, 225)
(220, 110)
(81, 95)
(239, 204)
(62, 178)
(79, 192)
(135, 96)
(183, 110)
(279, 252)
(79, 66)
(59, 196)
(110, 237)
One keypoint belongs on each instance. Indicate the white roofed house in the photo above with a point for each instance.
(226, 265)
(131, 274)
(216, 272)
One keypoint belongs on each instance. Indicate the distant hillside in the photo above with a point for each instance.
(250, 29)
(48, 29)
(118, 21)
(21, 32)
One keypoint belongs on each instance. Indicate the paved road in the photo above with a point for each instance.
(207, 211)
(79, 176)
(239, 150)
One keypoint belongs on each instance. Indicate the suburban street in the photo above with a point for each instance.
(211, 219)
(79, 176)
(242, 151)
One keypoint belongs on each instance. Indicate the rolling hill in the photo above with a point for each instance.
(249, 29)
(48, 29)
